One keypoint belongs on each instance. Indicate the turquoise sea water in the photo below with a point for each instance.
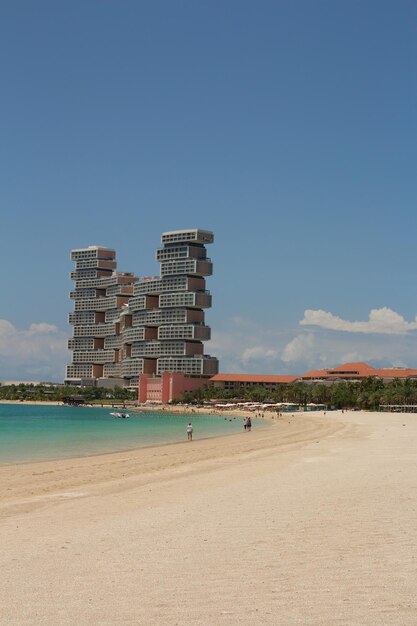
(36, 433)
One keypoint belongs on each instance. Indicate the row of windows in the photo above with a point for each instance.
(97, 281)
(190, 266)
(79, 371)
(181, 252)
(88, 283)
(86, 343)
(176, 332)
(88, 274)
(137, 303)
(156, 349)
(188, 299)
(93, 253)
(177, 299)
(156, 317)
(79, 294)
(203, 236)
(95, 263)
(190, 331)
(94, 356)
(195, 365)
(159, 285)
(82, 317)
(112, 342)
(120, 289)
(133, 334)
(95, 330)
(132, 367)
(189, 365)
(112, 315)
(112, 370)
(96, 304)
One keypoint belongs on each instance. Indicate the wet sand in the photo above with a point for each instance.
(309, 521)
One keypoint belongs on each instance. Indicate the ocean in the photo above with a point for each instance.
(36, 433)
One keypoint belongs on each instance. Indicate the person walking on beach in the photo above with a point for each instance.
(248, 423)
(190, 432)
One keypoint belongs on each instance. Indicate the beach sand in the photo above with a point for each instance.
(310, 521)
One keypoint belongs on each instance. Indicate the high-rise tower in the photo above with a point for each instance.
(163, 326)
(99, 294)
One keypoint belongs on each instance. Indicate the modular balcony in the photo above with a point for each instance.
(94, 356)
(82, 317)
(95, 263)
(187, 299)
(181, 236)
(185, 331)
(95, 330)
(100, 304)
(93, 253)
(132, 367)
(81, 343)
(181, 252)
(187, 266)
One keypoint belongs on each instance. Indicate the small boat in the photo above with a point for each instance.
(122, 414)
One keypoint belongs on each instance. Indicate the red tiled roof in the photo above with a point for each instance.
(345, 371)
(362, 370)
(395, 373)
(253, 378)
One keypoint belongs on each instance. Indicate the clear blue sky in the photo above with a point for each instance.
(287, 127)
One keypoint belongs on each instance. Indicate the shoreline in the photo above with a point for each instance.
(56, 475)
(165, 410)
(34, 402)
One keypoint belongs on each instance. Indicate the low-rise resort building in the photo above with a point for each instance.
(352, 372)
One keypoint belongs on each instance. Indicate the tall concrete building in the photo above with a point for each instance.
(99, 294)
(125, 327)
(163, 326)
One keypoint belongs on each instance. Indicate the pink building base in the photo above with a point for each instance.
(169, 386)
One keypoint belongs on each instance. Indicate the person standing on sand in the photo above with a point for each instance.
(190, 432)
(248, 424)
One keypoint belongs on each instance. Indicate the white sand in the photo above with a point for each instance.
(311, 522)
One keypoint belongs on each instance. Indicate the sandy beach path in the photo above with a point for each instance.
(310, 522)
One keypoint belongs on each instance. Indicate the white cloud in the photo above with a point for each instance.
(242, 345)
(323, 349)
(42, 328)
(39, 352)
(308, 351)
(256, 353)
(301, 348)
(383, 321)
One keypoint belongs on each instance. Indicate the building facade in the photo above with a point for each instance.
(241, 382)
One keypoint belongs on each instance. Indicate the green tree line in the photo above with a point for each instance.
(57, 393)
(369, 393)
